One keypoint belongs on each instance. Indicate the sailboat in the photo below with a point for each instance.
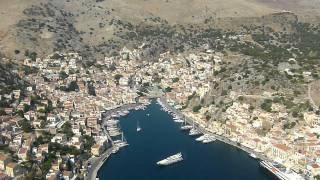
(138, 127)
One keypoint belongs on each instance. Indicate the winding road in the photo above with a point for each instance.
(314, 105)
(97, 162)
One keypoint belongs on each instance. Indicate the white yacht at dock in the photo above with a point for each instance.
(186, 127)
(178, 121)
(208, 139)
(194, 132)
(253, 155)
(201, 138)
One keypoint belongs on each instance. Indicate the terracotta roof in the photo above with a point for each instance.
(282, 147)
(2, 175)
(315, 166)
(2, 157)
(67, 173)
(22, 150)
(256, 139)
(12, 165)
(96, 146)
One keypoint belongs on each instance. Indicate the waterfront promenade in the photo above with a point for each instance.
(97, 162)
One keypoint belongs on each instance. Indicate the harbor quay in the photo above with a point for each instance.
(205, 131)
(97, 162)
(257, 155)
(161, 150)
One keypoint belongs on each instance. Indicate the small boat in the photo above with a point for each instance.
(178, 120)
(253, 155)
(148, 114)
(113, 129)
(138, 127)
(115, 149)
(186, 127)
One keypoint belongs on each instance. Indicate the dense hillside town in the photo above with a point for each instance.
(246, 73)
(53, 124)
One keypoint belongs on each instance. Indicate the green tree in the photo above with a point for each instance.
(26, 107)
(168, 89)
(266, 105)
(174, 80)
(25, 125)
(196, 108)
(73, 86)
(117, 77)
(33, 56)
(88, 142)
(67, 130)
(63, 75)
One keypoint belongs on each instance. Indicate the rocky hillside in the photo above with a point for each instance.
(99, 27)
(8, 78)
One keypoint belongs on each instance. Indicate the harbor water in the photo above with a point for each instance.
(161, 137)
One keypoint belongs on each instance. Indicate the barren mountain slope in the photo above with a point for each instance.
(307, 10)
(45, 25)
(188, 10)
(11, 11)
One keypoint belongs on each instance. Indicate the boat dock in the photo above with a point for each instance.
(204, 131)
(97, 162)
(111, 129)
(251, 152)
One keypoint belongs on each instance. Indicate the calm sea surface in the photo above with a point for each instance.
(161, 137)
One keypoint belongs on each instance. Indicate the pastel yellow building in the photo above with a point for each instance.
(96, 149)
(3, 161)
(12, 169)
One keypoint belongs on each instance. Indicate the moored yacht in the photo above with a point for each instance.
(170, 160)
(201, 138)
(208, 139)
(253, 155)
(194, 132)
(178, 120)
(186, 127)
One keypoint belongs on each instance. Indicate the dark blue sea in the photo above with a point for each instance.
(161, 137)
